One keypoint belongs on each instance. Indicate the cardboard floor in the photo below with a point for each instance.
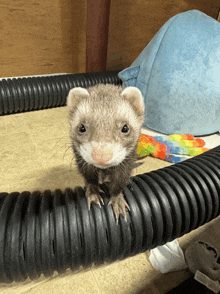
(35, 155)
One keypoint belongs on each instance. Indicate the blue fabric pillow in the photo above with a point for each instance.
(178, 74)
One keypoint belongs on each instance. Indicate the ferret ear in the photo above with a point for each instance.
(74, 97)
(135, 97)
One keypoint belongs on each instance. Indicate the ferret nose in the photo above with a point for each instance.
(101, 156)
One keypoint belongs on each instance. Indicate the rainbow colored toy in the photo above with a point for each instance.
(164, 147)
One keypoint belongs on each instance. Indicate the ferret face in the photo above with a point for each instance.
(105, 123)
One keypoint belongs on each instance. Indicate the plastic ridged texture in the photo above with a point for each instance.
(43, 232)
(33, 93)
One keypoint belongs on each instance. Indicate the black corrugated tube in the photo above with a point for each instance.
(34, 93)
(43, 232)
(53, 231)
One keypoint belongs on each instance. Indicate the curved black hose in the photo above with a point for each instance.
(33, 93)
(52, 231)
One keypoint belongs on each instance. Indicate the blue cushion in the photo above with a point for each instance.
(178, 74)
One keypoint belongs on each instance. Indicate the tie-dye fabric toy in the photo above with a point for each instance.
(164, 147)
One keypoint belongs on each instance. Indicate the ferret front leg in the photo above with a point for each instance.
(119, 205)
(93, 194)
(117, 200)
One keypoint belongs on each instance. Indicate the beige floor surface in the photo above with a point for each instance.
(35, 156)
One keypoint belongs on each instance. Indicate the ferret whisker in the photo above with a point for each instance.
(123, 168)
(63, 145)
(72, 162)
(60, 138)
(84, 165)
(59, 150)
(66, 151)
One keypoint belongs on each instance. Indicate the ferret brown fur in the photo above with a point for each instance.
(105, 123)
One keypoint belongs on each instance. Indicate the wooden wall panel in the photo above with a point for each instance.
(42, 37)
(47, 36)
(134, 23)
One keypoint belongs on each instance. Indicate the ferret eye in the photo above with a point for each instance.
(125, 129)
(82, 129)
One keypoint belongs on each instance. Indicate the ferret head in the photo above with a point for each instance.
(105, 123)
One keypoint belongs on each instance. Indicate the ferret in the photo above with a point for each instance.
(105, 125)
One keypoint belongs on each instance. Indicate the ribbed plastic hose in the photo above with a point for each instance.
(53, 231)
(33, 93)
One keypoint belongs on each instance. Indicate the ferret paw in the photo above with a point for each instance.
(93, 196)
(119, 205)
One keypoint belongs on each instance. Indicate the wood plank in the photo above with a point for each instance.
(42, 37)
